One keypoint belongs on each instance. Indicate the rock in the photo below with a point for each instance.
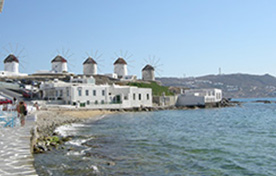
(264, 101)
(41, 148)
(88, 154)
(70, 149)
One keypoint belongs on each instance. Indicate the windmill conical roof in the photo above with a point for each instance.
(148, 67)
(120, 61)
(58, 58)
(89, 60)
(11, 58)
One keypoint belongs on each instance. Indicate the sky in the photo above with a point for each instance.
(183, 38)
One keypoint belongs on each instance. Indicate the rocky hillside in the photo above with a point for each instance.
(233, 85)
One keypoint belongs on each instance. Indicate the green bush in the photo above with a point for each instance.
(157, 90)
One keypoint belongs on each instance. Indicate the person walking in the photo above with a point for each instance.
(22, 109)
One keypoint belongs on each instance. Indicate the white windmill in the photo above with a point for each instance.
(90, 65)
(152, 66)
(121, 66)
(59, 65)
(148, 73)
(11, 62)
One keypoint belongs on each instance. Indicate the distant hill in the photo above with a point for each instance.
(233, 85)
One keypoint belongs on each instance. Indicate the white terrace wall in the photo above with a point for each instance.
(190, 100)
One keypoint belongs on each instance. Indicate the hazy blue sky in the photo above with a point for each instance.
(191, 37)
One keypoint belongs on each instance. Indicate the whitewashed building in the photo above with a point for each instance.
(59, 64)
(199, 97)
(148, 73)
(90, 67)
(120, 67)
(84, 92)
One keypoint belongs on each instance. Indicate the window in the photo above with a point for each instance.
(79, 92)
(67, 92)
(57, 93)
(94, 92)
(102, 101)
(125, 97)
(134, 96)
(88, 102)
(60, 93)
(86, 92)
(140, 96)
(103, 93)
(96, 102)
(148, 97)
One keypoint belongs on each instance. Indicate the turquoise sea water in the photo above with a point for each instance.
(222, 141)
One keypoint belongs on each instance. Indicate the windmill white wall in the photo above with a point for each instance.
(120, 67)
(148, 73)
(11, 64)
(90, 67)
(59, 67)
(59, 64)
(12, 67)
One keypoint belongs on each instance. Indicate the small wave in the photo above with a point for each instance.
(79, 125)
(70, 129)
(74, 153)
(63, 130)
(95, 169)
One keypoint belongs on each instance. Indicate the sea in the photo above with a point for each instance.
(234, 141)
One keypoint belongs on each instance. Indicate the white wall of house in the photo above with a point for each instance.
(59, 67)
(91, 94)
(11, 67)
(120, 69)
(190, 100)
(133, 96)
(196, 97)
(112, 75)
(88, 94)
(211, 95)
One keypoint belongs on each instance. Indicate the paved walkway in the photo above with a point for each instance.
(15, 155)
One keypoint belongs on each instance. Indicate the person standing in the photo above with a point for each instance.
(14, 101)
(22, 112)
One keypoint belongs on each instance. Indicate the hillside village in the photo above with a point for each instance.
(117, 90)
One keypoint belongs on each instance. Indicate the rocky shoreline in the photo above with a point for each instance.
(43, 136)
